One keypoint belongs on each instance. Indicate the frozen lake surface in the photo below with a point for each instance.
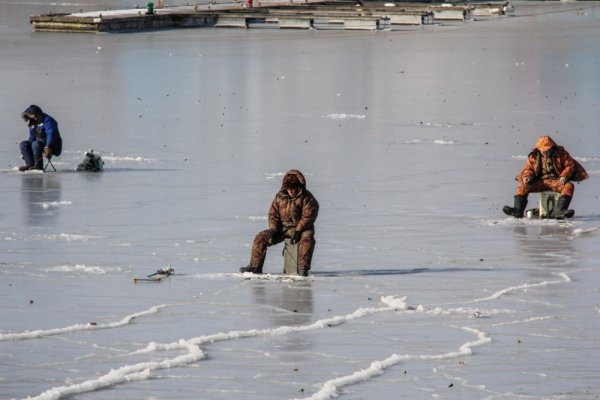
(410, 140)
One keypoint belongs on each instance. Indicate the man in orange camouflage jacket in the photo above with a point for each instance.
(548, 167)
(292, 215)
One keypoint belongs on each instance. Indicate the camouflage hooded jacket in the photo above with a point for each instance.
(563, 164)
(298, 213)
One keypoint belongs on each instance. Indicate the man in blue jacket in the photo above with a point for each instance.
(44, 138)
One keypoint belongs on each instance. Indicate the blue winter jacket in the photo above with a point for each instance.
(46, 131)
(43, 127)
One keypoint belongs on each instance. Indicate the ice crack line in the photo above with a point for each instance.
(564, 278)
(78, 327)
(332, 387)
(124, 374)
(143, 370)
(391, 303)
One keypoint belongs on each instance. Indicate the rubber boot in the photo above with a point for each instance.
(519, 208)
(563, 208)
(251, 269)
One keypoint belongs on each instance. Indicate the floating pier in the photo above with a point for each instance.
(310, 15)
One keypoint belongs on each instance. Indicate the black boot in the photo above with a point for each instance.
(563, 208)
(519, 208)
(251, 269)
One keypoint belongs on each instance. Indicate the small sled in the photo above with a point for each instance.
(157, 276)
(547, 207)
(153, 279)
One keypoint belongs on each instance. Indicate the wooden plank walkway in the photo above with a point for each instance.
(283, 15)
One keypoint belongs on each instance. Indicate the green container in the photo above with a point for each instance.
(548, 204)
(290, 257)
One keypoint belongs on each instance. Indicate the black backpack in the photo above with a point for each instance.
(91, 162)
(57, 145)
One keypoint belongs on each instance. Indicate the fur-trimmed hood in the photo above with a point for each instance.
(298, 213)
(293, 175)
(33, 112)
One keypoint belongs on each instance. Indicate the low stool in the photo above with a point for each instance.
(49, 163)
(290, 257)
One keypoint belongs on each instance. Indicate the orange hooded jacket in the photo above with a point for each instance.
(564, 165)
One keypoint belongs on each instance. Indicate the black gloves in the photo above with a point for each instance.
(296, 236)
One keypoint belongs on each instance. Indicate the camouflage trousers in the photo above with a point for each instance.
(540, 185)
(268, 238)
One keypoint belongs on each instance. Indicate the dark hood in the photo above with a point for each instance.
(33, 112)
(298, 176)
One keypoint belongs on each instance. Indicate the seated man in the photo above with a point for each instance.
(548, 167)
(44, 138)
(292, 215)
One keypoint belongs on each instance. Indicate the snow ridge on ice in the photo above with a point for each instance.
(564, 279)
(435, 141)
(391, 303)
(331, 388)
(124, 374)
(83, 268)
(78, 327)
(55, 204)
(345, 116)
(193, 353)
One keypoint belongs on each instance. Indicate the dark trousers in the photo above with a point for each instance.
(32, 152)
(268, 238)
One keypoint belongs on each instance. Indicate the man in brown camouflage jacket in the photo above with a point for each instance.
(292, 215)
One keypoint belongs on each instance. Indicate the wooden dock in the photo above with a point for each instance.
(309, 15)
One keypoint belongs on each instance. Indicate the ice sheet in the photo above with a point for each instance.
(410, 140)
